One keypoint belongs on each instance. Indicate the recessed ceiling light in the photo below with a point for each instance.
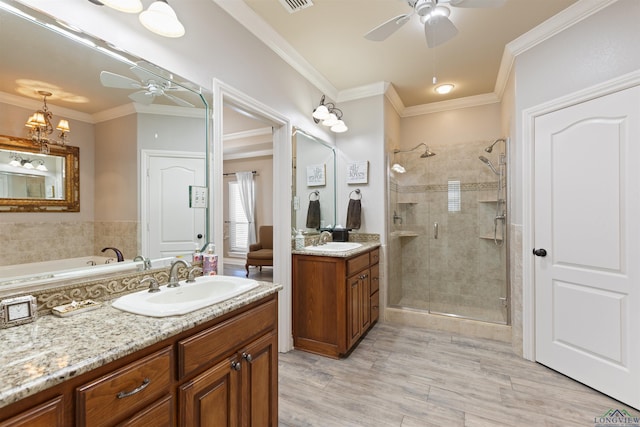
(444, 89)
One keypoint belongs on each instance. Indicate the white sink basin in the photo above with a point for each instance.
(188, 297)
(334, 247)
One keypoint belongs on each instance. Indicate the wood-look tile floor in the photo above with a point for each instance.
(408, 377)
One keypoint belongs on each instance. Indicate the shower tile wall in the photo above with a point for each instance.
(461, 272)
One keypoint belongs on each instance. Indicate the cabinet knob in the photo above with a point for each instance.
(236, 366)
(247, 357)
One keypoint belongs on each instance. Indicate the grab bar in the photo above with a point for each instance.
(435, 230)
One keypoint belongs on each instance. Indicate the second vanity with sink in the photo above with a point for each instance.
(336, 296)
(111, 367)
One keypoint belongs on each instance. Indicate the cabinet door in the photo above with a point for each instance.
(260, 382)
(365, 301)
(353, 310)
(49, 414)
(212, 398)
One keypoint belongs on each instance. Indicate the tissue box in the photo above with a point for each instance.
(340, 235)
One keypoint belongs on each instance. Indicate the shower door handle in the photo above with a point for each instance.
(540, 252)
(435, 230)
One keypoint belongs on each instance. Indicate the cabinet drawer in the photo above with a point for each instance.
(357, 263)
(125, 390)
(375, 256)
(375, 278)
(159, 414)
(208, 346)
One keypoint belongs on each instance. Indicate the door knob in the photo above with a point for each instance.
(540, 252)
(199, 236)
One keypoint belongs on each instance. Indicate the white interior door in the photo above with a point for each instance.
(173, 227)
(587, 219)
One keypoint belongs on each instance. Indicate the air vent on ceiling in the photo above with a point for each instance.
(296, 5)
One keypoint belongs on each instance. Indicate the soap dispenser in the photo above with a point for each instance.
(299, 240)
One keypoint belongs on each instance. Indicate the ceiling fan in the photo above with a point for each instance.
(150, 86)
(438, 28)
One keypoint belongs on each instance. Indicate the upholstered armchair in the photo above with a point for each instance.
(261, 253)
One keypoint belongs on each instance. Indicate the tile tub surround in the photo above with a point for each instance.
(49, 351)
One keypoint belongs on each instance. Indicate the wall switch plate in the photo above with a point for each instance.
(197, 196)
(296, 203)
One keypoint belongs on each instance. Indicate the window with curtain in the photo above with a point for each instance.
(238, 224)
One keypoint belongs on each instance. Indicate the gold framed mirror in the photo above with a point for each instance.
(35, 182)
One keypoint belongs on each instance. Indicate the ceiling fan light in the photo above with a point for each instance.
(331, 120)
(321, 113)
(161, 19)
(444, 88)
(436, 12)
(126, 6)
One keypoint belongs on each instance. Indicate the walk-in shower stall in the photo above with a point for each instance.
(448, 236)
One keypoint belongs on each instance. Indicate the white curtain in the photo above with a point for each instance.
(248, 198)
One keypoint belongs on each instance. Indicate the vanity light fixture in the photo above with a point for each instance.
(160, 18)
(126, 6)
(19, 161)
(40, 127)
(330, 116)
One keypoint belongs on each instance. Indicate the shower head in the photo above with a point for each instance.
(490, 148)
(427, 153)
(487, 162)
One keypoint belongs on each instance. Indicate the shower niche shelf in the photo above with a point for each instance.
(405, 233)
(488, 201)
(499, 239)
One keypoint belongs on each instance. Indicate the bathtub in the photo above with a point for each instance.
(33, 275)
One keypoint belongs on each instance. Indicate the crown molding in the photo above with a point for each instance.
(33, 104)
(242, 13)
(266, 131)
(451, 104)
(575, 13)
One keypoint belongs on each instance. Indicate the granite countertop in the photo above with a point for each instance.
(52, 349)
(366, 246)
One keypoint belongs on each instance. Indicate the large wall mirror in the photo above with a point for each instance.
(314, 183)
(141, 137)
(32, 181)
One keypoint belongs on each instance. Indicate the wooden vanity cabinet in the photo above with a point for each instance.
(224, 372)
(335, 301)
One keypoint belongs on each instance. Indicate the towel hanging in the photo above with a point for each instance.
(313, 214)
(354, 210)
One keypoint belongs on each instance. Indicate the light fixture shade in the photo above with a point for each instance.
(161, 19)
(42, 167)
(339, 127)
(126, 6)
(14, 162)
(331, 120)
(444, 88)
(27, 165)
(321, 113)
(63, 126)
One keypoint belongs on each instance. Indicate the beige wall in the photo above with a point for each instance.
(263, 187)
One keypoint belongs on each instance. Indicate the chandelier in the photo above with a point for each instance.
(40, 127)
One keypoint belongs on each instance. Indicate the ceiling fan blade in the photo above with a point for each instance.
(142, 97)
(439, 29)
(146, 76)
(178, 101)
(477, 3)
(384, 30)
(109, 79)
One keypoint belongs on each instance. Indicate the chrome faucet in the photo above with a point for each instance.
(173, 272)
(117, 251)
(324, 238)
(146, 262)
